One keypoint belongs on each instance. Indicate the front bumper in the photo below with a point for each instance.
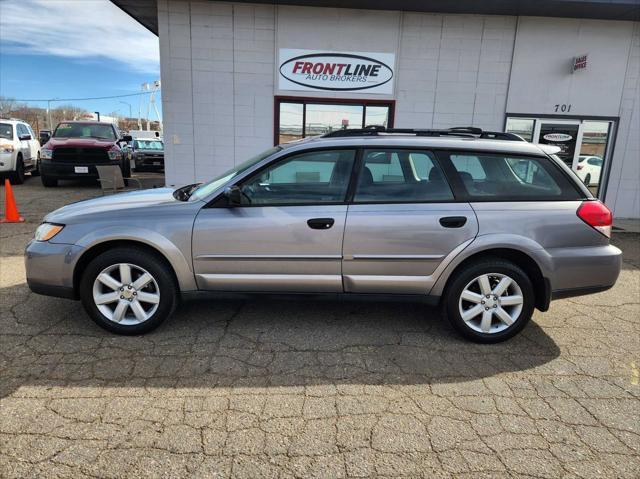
(6, 162)
(67, 170)
(49, 268)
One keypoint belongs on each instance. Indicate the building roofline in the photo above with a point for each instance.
(146, 11)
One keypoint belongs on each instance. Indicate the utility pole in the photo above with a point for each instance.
(125, 103)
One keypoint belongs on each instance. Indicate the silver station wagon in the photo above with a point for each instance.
(484, 224)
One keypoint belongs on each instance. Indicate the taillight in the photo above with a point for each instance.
(596, 215)
(580, 167)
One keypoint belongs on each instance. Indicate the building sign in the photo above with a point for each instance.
(579, 63)
(306, 70)
(559, 137)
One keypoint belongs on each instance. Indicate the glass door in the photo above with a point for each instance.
(564, 134)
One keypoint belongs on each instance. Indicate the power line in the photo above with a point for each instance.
(81, 99)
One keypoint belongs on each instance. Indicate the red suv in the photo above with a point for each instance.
(76, 147)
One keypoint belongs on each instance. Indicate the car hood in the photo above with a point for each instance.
(113, 203)
(79, 143)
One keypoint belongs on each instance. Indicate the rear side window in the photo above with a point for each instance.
(6, 131)
(397, 176)
(499, 177)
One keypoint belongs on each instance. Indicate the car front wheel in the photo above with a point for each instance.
(128, 290)
(490, 301)
(17, 177)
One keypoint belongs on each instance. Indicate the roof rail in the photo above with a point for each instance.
(459, 131)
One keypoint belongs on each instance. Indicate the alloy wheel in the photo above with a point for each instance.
(490, 303)
(126, 294)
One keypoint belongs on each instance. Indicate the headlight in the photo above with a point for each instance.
(46, 231)
(46, 154)
(6, 148)
(115, 155)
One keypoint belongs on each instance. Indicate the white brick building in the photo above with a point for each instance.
(506, 68)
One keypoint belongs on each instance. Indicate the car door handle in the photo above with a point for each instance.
(320, 223)
(453, 221)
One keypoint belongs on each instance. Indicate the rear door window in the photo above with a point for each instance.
(500, 177)
(397, 176)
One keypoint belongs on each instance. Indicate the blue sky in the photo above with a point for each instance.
(75, 49)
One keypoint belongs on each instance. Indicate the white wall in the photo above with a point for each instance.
(623, 189)
(453, 70)
(217, 63)
(541, 73)
(219, 76)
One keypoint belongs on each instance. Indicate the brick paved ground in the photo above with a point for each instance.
(304, 389)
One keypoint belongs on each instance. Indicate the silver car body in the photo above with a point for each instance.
(395, 248)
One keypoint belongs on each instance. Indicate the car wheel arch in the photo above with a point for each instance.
(509, 252)
(100, 247)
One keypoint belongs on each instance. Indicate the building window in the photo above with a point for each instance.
(298, 118)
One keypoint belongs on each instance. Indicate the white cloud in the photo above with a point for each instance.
(77, 29)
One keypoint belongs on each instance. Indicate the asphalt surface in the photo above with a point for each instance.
(312, 389)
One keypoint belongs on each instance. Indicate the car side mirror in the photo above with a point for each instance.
(126, 138)
(233, 195)
(25, 137)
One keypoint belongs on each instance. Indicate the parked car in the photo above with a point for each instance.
(44, 136)
(589, 169)
(146, 153)
(19, 150)
(76, 147)
(484, 224)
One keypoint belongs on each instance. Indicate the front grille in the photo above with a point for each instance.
(81, 155)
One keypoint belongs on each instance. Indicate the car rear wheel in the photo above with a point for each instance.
(17, 176)
(48, 181)
(128, 290)
(587, 179)
(490, 301)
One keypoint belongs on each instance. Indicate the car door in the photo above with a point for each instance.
(34, 144)
(25, 149)
(402, 224)
(286, 232)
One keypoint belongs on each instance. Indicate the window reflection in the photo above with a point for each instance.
(321, 118)
(377, 116)
(290, 128)
(592, 152)
(301, 118)
(521, 126)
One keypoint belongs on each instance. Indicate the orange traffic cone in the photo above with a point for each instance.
(11, 214)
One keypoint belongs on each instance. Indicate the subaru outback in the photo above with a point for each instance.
(484, 224)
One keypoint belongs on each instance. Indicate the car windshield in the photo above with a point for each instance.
(84, 130)
(206, 189)
(6, 131)
(148, 145)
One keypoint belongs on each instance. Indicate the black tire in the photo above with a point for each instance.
(48, 181)
(36, 170)
(142, 258)
(17, 177)
(587, 179)
(462, 278)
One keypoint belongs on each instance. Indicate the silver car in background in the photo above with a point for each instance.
(484, 224)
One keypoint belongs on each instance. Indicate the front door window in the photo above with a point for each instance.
(316, 177)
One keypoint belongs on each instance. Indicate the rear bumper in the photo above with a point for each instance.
(583, 270)
(67, 170)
